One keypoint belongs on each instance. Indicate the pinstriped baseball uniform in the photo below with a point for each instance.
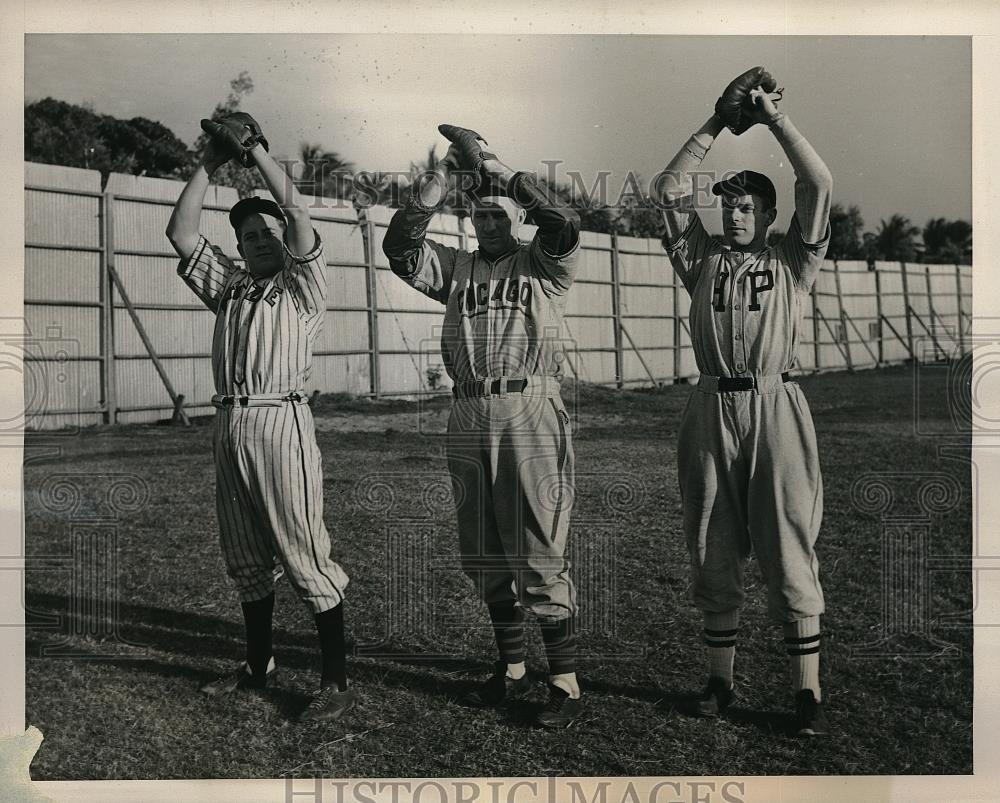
(510, 455)
(747, 460)
(269, 479)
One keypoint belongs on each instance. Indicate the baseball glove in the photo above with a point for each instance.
(735, 103)
(236, 135)
(469, 145)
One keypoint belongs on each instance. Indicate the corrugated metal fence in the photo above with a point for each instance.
(625, 325)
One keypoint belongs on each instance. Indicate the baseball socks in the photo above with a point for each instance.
(508, 628)
(257, 618)
(720, 637)
(802, 639)
(559, 638)
(330, 625)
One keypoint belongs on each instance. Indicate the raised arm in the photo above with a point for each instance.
(676, 186)
(299, 236)
(423, 264)
(182, 229)
(813, 181)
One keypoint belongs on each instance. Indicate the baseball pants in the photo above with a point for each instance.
(511, 463)
(269, 496)
(749, 474)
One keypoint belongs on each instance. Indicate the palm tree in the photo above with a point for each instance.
(894, 240)
(325, 173)
(947, 241)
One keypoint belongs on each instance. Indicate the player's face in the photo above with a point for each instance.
(745, 220)
(492, 229)
(261, 245)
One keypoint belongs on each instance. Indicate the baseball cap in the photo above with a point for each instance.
(747, 182)
(253, 206)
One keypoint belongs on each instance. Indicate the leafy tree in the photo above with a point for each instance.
(948, 241)
(894, 241)
(56, 132)
(232, 174)
(846, 226)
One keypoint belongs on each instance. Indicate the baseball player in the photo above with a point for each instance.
(747, 457)
(510, 451)
(269, 482)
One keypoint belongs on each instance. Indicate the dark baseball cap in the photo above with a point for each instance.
(253, 206)
(747, 182)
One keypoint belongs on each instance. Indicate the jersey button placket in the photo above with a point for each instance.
(738, 355)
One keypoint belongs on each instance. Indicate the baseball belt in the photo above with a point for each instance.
(259, 400)
(527, 386)
(731, 384)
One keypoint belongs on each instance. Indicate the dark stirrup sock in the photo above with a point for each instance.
(330, 625)
(257, 619)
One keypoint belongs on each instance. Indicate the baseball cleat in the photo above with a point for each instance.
(498, 689)
(810, 720)
(715, 699)
(329, 704)
(561, 710)
(242, 679)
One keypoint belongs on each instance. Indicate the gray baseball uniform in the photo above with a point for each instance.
(510, 450)
(747, 460)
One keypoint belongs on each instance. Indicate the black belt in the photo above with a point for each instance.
(251, 401)
(495, 387)
(729, 384)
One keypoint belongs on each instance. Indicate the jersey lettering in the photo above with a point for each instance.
(766, 283)
(272, 297)
(719, 293)
(510, 293)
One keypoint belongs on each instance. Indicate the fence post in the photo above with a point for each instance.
(909, 317)
(931, 317)
(616, 312)
(842, 316)
(878, 312)
(372, 293)
(107, 236)
(677, 327)
(816, 349)
(960, 314)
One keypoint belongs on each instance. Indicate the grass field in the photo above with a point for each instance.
(117, 711)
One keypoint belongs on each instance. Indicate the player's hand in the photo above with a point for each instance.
(213, 158)
(763, 106)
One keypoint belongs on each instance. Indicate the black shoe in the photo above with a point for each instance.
(498, 689)
(561, 710)
(715, 699)
(241, 680)
(329, 704)
(809, 717)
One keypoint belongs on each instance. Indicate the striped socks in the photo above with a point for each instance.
(802, 639)
(508, 627)
(720, 636)
(559, 638)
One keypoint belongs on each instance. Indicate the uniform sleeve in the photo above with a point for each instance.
(804, 259)
(554, 251)
(425, 265)
(208, 271)
(305, 278)
(687, 253)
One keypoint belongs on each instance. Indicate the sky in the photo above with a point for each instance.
(891, 116)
